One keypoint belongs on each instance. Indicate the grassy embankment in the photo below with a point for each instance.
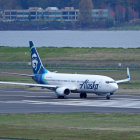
(71, 60)
(75, 126)
(126, 27)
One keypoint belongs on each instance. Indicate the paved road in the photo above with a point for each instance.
(35, 101)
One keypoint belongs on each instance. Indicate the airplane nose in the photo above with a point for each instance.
(115, 87)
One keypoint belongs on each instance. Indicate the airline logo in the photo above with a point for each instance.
(87, 85)
(34, 61)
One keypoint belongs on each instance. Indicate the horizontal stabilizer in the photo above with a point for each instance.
(18, 74)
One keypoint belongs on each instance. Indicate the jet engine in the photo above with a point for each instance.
(62, 91)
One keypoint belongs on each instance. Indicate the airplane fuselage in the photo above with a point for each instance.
(80, 83)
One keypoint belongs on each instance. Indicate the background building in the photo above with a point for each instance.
(50, 14)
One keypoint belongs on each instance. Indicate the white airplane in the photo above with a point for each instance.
(64, 84)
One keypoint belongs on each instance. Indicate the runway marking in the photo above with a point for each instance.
(117, 103)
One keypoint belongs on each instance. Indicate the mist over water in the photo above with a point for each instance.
(66, 38)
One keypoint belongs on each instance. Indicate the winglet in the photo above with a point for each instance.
(128, 73)
(125, 80)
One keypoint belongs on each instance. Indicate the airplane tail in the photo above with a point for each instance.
(37, 65)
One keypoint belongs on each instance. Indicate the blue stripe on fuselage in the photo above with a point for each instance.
(40, 78)
(43, 79)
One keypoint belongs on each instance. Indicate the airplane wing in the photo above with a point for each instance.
(125, 80)
(18, 74)
(52, 87)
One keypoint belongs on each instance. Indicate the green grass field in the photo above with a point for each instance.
(75, 126)
(67, 53)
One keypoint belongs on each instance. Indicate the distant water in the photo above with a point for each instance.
(62, 38)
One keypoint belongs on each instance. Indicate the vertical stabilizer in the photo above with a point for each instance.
(37, 65)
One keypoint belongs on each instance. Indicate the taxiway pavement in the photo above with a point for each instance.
(14, 100)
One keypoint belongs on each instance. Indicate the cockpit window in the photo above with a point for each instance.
(108, 82)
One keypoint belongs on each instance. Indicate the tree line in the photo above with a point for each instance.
(25, 4)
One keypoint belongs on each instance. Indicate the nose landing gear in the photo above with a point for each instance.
(83, 95)
(108, 96)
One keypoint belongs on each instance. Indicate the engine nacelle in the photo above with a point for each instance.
(62, 91)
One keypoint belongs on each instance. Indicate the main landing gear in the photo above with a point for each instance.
(83, 95)
(108, 96)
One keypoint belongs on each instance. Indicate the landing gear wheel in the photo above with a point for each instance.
(83, 95)
(108, 97)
